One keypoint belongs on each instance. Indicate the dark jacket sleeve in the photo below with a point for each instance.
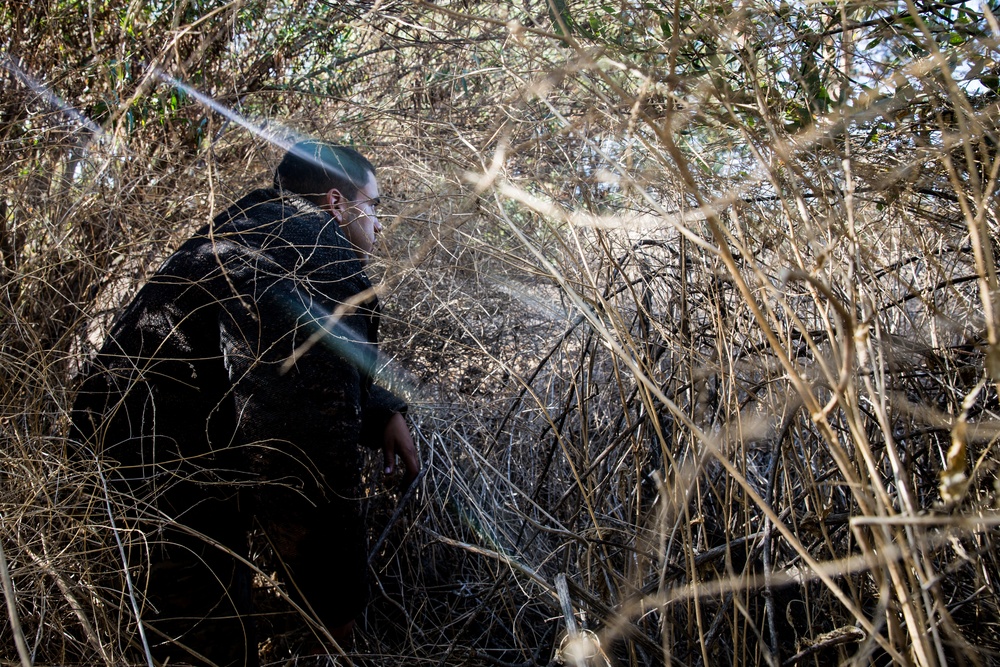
(382, 405)
(297, 387)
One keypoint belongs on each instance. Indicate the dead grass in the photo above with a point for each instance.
(673, 327)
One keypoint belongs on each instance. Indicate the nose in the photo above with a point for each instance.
(378, 225)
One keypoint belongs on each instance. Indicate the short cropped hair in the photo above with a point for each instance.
(310, 168)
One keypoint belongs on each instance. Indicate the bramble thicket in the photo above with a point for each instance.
(696, 304)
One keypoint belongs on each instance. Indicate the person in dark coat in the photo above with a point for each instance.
(235, 391)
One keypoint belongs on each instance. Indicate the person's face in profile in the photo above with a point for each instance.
(357, 217)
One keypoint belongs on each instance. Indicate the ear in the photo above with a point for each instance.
(335, 203)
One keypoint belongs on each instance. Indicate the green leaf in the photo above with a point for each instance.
(595, 25)
(666, 27)
(559, 13)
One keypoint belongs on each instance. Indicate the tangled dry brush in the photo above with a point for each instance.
(696, 304)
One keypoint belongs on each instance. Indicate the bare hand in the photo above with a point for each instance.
(397, 441)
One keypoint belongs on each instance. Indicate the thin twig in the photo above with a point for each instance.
(15, 621)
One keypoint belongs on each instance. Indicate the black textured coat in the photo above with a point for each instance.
(244, 364)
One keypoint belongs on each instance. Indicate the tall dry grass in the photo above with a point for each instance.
(695, 305)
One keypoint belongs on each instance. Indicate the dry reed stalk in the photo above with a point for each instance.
(694, 304)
